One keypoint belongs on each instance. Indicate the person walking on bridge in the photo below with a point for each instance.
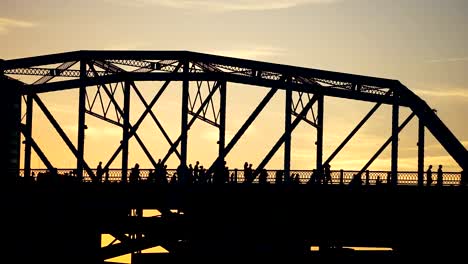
(429, 176)
(440, 179)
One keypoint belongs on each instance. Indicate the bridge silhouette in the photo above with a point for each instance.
(71, 208)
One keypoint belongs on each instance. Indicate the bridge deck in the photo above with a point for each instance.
(237, 217)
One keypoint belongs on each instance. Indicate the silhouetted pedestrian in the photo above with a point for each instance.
(262, 178)
(99, 172)
(297, 180)
(135, 173)
(314, 178)
(429, 176)
(378, 181)
(440, 179)
(356, 181)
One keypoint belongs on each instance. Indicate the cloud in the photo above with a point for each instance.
(256, 52)
(227, 5)
(447, 60)
(6, 24)
(455, 92)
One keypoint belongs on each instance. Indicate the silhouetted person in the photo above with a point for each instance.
(246, 171)
(225, 173)
(440, 179)
(190, 173)
(378, 181)
(262, 178)
(99, 172)
(250, 172)
(173, 179)
(429, 176)
(314, 178)
(296, 180)
(106, 173)
(135, 173)
(356, 181)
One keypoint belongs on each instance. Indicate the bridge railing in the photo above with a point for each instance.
(303, 176)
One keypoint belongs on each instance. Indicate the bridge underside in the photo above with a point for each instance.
(234, 222)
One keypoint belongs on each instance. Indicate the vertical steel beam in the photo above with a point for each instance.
(184, 117)
(126, 130)
(395, 130)
(287, 133)
(222, 121)
(81, 121)
(27, 142)
(421, 143)
(319, 142)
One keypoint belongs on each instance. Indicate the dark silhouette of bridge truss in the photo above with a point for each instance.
(305, 90)
(112, 70)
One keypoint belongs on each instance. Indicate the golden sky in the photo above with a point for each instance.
(422, 43)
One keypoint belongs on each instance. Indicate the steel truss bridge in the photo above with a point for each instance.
(112, 71)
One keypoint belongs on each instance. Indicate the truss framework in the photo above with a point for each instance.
(113, 72)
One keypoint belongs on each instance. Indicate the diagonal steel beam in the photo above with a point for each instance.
(36, 147)
(62, 134)
(148, 154)
(108, 120)
(245, 126)
(142, 117)
(282, 139)
(153, 116)
(192, 120)
(129, 246)
(385, 145)
(29, 119)
(304, 118)
(120, 111)
(355, 130)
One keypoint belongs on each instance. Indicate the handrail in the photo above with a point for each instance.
(342, 177)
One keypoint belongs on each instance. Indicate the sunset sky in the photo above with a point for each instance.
(422, 43)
